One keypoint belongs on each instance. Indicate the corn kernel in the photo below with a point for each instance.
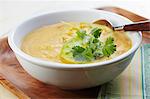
(70, 33)
(82, 25)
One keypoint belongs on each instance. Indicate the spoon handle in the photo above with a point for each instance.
(139, 26)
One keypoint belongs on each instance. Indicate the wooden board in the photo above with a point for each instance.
(15, 79)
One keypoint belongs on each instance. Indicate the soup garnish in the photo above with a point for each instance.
(86, 46)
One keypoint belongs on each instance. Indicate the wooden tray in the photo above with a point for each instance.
(15, 79)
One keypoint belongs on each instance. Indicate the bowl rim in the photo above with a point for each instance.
(51, 64)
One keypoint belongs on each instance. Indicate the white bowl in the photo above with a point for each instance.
(72, 76)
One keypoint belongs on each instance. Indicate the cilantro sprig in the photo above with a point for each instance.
(93, 48)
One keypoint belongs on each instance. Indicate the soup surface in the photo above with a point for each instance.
(72, 42)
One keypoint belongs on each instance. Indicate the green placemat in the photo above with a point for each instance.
(145, 50)
(134, 82)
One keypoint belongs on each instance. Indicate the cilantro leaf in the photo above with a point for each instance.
(78, 49)
(109, 47)
(82, 54)
(96, 32)
(92, 45)
(81, 33)
(88, 54)
(77, 53)
(95, 40)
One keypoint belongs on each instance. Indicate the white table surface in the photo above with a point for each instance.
(14, 11)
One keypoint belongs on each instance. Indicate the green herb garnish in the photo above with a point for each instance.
(82, 54)
(86, 47)
(109, 47)
(96, 32)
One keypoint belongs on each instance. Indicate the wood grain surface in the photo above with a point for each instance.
(14, 78)
(6, 84)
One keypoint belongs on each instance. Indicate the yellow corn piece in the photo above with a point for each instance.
(83, 25)
(70, 32)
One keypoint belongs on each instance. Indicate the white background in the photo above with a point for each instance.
(13, 11)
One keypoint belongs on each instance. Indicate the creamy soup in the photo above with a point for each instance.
(70, 42)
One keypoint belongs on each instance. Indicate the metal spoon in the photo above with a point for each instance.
(137, 26)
